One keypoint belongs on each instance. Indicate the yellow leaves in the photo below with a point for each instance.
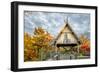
(84, 40)
(29, 54)
(39, 31)
(49, 37)
(27, 41)
(40, 40)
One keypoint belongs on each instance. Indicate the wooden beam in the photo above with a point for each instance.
(66, 45)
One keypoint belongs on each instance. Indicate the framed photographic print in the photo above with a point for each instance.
(52, 36)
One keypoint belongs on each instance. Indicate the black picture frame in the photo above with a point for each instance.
(14, 35)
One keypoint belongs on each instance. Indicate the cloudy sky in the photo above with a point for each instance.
(53, 22)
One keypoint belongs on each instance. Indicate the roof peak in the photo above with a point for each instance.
(66, 20)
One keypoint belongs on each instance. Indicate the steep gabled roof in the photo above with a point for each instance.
(67, 25)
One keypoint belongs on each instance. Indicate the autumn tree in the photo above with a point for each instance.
(37, 45)
(85, 45)
(42, 41)
(29, 51)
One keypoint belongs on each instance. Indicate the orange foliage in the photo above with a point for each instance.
(85, 44)
(32, 44)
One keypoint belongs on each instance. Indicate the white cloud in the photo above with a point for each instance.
(53, 22)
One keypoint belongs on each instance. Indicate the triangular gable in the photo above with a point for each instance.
(71, 36)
